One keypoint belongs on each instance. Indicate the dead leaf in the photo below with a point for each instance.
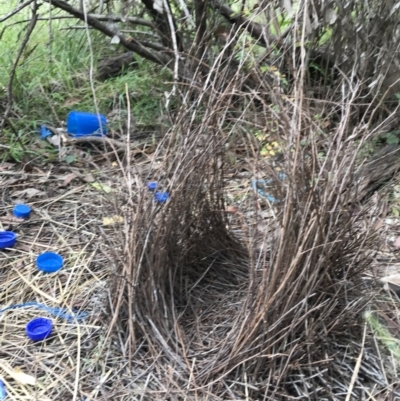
(378, 224)
(29, 193)
(287, 5)
(5, 166)
(55, 140)
(330, 16)
(397, 242)
(115, 40)
(393, 281)
(262, 227)
(71, 101)
(87, 177)
(232, 209)
(68, 178)
(108, 221)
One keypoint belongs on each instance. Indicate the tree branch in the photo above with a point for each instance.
(256, 31)
(201, 27)
(163, 26)
(116, 18)
(129, 43)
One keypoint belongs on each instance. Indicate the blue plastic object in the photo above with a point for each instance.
(152, 185)
(49, 262)
(56, 312)
(39, 329)
(22, 211)
(44, 132)
(257, 186)
(3, 392)
(7, 239)
(260, 185)
(161, 197)
(80, 123)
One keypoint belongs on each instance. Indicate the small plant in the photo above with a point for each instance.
(268, 147)
(391, 138)
(391, 343)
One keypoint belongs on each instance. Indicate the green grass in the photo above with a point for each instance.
(391, 343)
(53, 78)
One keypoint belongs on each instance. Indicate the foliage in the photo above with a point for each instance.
(262, 305)
(54, 76)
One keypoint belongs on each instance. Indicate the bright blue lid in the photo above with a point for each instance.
(49, 262)
(22, 211)
(3, 391)
(7, 239)
(39, 328)
(161, 197)
(152, 185)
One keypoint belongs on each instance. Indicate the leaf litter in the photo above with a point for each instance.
(68, 223)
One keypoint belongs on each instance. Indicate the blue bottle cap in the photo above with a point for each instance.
(3, 391)
(22, 211)
(7, 239)
(49, 262)
(39, 329)
(152, 185)
(161, 197)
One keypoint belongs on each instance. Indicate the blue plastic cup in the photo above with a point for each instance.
(80, 123)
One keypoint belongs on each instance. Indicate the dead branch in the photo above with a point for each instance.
(384, 164)
(257, 31)
(116, 18)
(96, 140)
(168, 34)
(136, 147)
(128, 42)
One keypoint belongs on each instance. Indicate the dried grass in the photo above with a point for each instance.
(69, 364)
(267, 304)
(217, 294)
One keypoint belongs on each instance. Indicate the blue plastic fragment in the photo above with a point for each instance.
(152, 185)
(56, 312)
(161, 197)
(3, 392)
(255, 184)
(44, 132)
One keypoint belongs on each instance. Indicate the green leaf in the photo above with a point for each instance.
(392, 139)
(102, 187)
(70, 159)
